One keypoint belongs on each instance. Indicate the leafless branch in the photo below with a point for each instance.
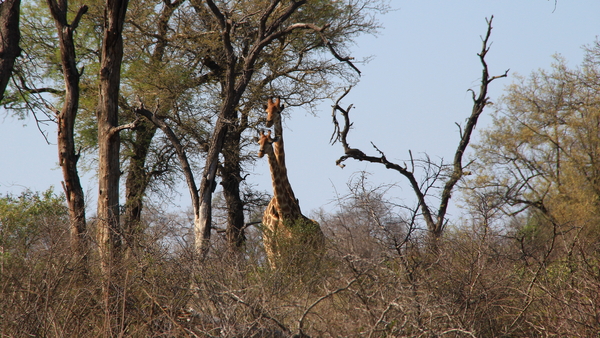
(357, 154)
(337, 135)
(469, 333)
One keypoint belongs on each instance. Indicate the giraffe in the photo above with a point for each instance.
(282, 219)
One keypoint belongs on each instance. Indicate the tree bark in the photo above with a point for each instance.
(203, 221)
(10, 37)
(109, 231)
(108, 227)
(136, 183)
(236, 80)
(66, 126)
(230, 180)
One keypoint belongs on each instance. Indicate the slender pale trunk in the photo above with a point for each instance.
(203, 219)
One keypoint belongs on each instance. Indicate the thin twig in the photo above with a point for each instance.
(320, 299)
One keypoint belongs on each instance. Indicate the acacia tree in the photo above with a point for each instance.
(108, 128)
(435, 221)
(252, 50)
(542, 152)
(269, 25)
(538, 163)
(50, 61)
(10, 36)
(203, 71)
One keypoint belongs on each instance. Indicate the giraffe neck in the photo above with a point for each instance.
(278, 147)
(282, 190)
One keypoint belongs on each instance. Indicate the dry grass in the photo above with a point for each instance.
(479, 284)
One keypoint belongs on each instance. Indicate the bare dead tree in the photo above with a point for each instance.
(435, 220)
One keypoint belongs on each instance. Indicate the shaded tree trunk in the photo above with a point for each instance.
(203, 221)
(66, 124)
(230, 180)
(136, 183)
(236, 80)
(9, 40)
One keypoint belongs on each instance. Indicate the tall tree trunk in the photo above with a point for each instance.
(109, 230)
(203, 220)
(137, 178)
(136, 183)
(66, 124)
(230, 180)
(9, 40)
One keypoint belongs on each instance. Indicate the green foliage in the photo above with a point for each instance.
(533, 228)
(304, 227)
(297, 245)
(23, 219)
(543, 149)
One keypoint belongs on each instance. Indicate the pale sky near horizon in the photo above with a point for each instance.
(409, 98)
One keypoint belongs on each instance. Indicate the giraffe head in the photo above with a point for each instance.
(265, 142)
(273, 109)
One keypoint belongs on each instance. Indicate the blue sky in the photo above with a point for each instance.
(409, 98)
